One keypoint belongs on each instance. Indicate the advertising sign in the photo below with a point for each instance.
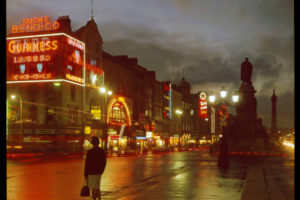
(167, 100)
(47, 57)
(203, 112)
(94, 75)
(96, 112)
(34, 25)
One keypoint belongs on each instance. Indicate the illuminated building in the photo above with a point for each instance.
(57, 74)
(46, 69)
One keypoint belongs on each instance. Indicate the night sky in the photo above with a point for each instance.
(203, 40)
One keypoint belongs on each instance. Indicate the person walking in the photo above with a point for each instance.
(95, 163)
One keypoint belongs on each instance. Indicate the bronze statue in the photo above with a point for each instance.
(246, 71)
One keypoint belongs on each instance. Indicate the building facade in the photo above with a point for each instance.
(63, 88)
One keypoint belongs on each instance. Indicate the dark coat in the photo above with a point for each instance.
(95, 161)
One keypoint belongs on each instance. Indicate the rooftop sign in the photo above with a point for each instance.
(36, 24)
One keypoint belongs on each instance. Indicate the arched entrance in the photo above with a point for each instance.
(118, 112)
(118, 118)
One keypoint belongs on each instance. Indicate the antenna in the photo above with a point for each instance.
(92, 17)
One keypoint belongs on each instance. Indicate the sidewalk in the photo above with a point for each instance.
(255, 186)
(258, 186)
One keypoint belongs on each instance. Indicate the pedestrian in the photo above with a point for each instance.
(95, 163)
(223, 159)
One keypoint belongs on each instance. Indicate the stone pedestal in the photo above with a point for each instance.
(244, 134)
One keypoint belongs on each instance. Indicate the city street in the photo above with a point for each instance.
(174, 175)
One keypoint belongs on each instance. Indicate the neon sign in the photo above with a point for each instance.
(36, 24)
(34, 58)
(32, 76)
(32, 46)
(45, 57)
(75, 44)
(203, 113)
(74, 78)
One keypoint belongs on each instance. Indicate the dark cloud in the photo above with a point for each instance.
(201, 66)
(285, 109)
(267, 65)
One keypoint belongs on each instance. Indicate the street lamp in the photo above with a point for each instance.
(179, 113)
(235, 97)
(104, 91)
(223, 93)
(13, 96)
(222, 111)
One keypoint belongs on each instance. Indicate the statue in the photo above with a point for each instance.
(246, 71)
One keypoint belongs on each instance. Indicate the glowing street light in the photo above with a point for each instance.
(223, 93)
(212, 100)
(235, 97)
(106, 92)
(102, 89)
(13, 96)
(179, 112)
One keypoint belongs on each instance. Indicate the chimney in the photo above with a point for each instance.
(64, 24)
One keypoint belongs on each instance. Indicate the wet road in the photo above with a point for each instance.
(176, 175)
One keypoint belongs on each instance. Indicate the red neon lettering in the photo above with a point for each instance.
(35, 24)
(14, 29)
(11, 46)
(32, 76)
(55, 25)
(21, 29)
(35, 45)
(47, 26)
(35, 58)
(15, 77)
(46, 19)
(42, 58)
(35, 76)
(27, 21)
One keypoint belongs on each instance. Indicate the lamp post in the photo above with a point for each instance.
(21, 115)
(106, 92)
(223, 159)
(222, 112)
(179, 113)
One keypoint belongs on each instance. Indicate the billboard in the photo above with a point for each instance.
(94, 74)
(203, 112)
(45, 57)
